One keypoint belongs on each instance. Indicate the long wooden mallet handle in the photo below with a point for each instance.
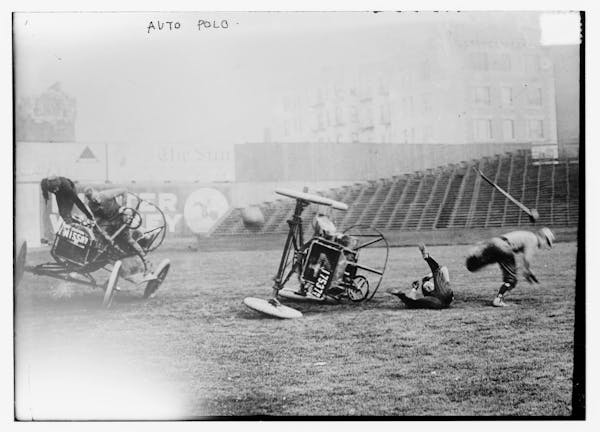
(533, 214)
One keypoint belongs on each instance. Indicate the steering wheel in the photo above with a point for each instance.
(131, 217)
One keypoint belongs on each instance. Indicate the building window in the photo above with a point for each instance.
(482, 95)
(478, 61)
(339, 117)
(508, 129)
(367, 120)
(427, 134)
(383, 88)
(507, 98)
(535, 96)
(532, 63)
(314, 121)
(426, 70)
(536, 129)
(483, 129)
(366, 91)
(426, 103)
(384, 111)
(320, 121)
(503, 63)
(353, 114)
(319, 97)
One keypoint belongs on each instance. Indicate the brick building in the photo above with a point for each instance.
(447, 78)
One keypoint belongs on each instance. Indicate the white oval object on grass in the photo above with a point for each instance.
(266, 307)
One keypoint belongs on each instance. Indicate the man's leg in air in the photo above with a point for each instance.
(441, 278)
(433, 265)
(440, 274)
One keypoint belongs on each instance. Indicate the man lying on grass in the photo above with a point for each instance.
(432, 291)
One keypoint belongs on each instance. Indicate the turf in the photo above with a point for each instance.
(195, 350)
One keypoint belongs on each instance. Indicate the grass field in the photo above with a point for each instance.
(195, 350)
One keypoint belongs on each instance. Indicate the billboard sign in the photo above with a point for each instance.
(189, 210)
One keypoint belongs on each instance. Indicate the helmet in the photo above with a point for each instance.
(547, 235)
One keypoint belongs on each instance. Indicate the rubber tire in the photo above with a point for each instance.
(109, 293)
(20, 261)
(161, 274)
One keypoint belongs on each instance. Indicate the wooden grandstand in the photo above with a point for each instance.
(452, 196)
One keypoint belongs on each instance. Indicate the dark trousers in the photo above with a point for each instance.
(441, 297)
(496, 250)
(65, 209)
(125, 240)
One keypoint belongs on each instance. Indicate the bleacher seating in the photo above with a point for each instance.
(452, 198)
(415, 211)
(515, 188)
(447, 197)
(434, 201)
(396, 220)
(387, 208)
(465, 198)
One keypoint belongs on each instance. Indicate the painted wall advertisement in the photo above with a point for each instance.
(189, 210)
(95, 162)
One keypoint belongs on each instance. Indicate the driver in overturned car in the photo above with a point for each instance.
(432, 291)
(66, 196)
(110, 217)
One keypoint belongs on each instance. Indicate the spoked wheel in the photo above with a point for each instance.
(359, 289)
(161, 274)
(20, 260)
(111, 285)
(373, 250)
